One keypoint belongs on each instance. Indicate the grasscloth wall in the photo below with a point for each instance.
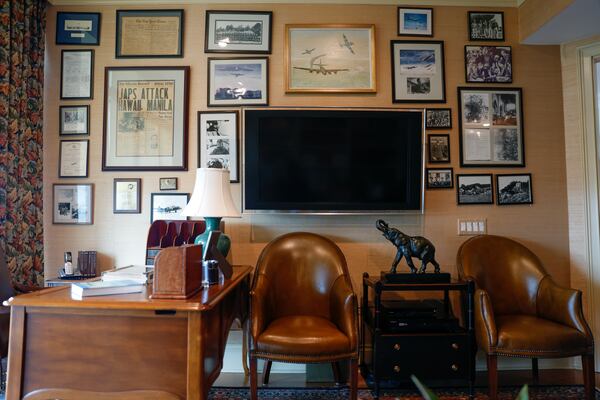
(120, 239)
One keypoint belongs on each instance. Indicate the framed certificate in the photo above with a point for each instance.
(73, 158)
(77, 74)
(78, 28)
(127, 196)
(149, 33)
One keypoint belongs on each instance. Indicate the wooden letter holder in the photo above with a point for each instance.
(177, 272)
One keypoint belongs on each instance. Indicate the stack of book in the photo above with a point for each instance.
(100, 288)
(141, 274)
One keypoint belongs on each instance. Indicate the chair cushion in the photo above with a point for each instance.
(531, 336)
(302, 335)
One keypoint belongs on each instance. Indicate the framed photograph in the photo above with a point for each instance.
(488, 64)
(491, 127)
(218, 141)
(78, 28)
(474, 189)
(73, 203)
(330, 58)
(418, 71)
(77, 74)
(127, 196)
(439, 148)
(486, 25)
(440, 178)
(74, 120)
(238, 81)
(168, 206)
(149, 34)
(145, 119)
(167, 184)
(238, 32)
(73, 158)
(513, 189)
(438, 118)
(415, 21)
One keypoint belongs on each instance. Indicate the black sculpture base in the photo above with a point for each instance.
(442, 277)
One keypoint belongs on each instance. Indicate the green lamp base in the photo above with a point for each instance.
(213, 224)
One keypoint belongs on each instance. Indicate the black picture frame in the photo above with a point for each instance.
(63, 95)
(502, 73)
(478, 197)
(513, 195)
(430, 123)
(407, 33)
(208, 48)
(87, 158)
(473, 36)
(437, 155)
(66, 35)
(138, 195)
(179, 13)
(212, 101)
(431, 183)
(61, 118)
(164, 184)
(154, 199)
(233, 159)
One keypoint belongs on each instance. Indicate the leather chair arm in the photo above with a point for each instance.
(258, 308)
(485, 323)
(562, 305)
(343, 309)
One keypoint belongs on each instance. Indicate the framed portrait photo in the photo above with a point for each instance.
(513, 189)
(127, 196)
(77, 74)
(486, 25)
(78, 28)
(438, 118)
(240, 81)
(439, 148)
(491, 127)
(149, 34)
(330, 58)
(488, 64)
(73, 203)
(440, 178)
(474, 189)
(218, 141)
(415, 21)
(167, 183)
(168, 206)
(418, 71)
(73, 158)
(238, 32)
(145, 119)
(74, 120)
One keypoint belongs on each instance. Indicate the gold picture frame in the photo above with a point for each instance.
(330, 58)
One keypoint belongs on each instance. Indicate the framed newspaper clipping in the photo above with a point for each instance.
(145, 119)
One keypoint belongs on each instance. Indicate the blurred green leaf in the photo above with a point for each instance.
(425, 392)
(523, 394)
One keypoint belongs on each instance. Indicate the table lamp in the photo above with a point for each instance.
(212, 200)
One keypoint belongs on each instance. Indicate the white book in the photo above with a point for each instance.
(101, 288)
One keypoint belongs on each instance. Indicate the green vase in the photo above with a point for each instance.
(213, 224)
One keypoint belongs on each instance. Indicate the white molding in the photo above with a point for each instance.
(461, 3)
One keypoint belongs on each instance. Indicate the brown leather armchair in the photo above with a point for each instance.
(302, 306)
(520, 311)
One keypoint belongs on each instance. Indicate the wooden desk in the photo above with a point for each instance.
(121, 347)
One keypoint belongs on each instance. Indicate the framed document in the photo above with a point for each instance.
(127, 196)
(145, 119)
(77, 74)
(238, 81)
(74, 120)
(167, 183)
(238, 32)
(78, 28)
(218, 141)
(73, 204)
(73, 158)
(149, 33)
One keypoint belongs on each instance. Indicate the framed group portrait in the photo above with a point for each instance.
(218, 141)
(486, 25)
(238, 32)
(488, 64)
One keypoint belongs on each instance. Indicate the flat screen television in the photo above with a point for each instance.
(333, 161)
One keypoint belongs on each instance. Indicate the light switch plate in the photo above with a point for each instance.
(472, 226)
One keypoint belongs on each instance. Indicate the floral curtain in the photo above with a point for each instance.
(22, 31)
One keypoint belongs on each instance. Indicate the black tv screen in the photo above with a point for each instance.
(333, 160)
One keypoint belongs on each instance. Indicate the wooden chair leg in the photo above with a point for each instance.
(587, 361)
(354, 379)
(492, 367)
(253, 378)
(535, 371)
(335, 366)
(266, 372)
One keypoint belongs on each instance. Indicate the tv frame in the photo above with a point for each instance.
(245, 210)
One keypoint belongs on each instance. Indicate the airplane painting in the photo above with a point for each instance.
(348, 44)
(308, 51)
(417, 61)
(319, 67)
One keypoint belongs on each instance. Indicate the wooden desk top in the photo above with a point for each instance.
(60, 297)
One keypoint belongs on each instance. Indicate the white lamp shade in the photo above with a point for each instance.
(212, 195)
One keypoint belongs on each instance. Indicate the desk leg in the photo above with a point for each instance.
(15, 353)
(197, 387)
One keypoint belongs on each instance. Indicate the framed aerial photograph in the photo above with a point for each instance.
(330, 58)
(418, 71)
(488, 64)
(491, 127)
(74, 120)
(167, 183)
(486, 25)
(438, 118)
(218, 141)
(73, 203)
(78, 28)
(440, 178)
(73, 158)
(238, 32)
(127, 196)
(238, 81)
(415, 21)
(145, 119)
(474, 189)
(439, 148)
(168, 206)
(77, 74)
(149, 34)
(513, 189)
